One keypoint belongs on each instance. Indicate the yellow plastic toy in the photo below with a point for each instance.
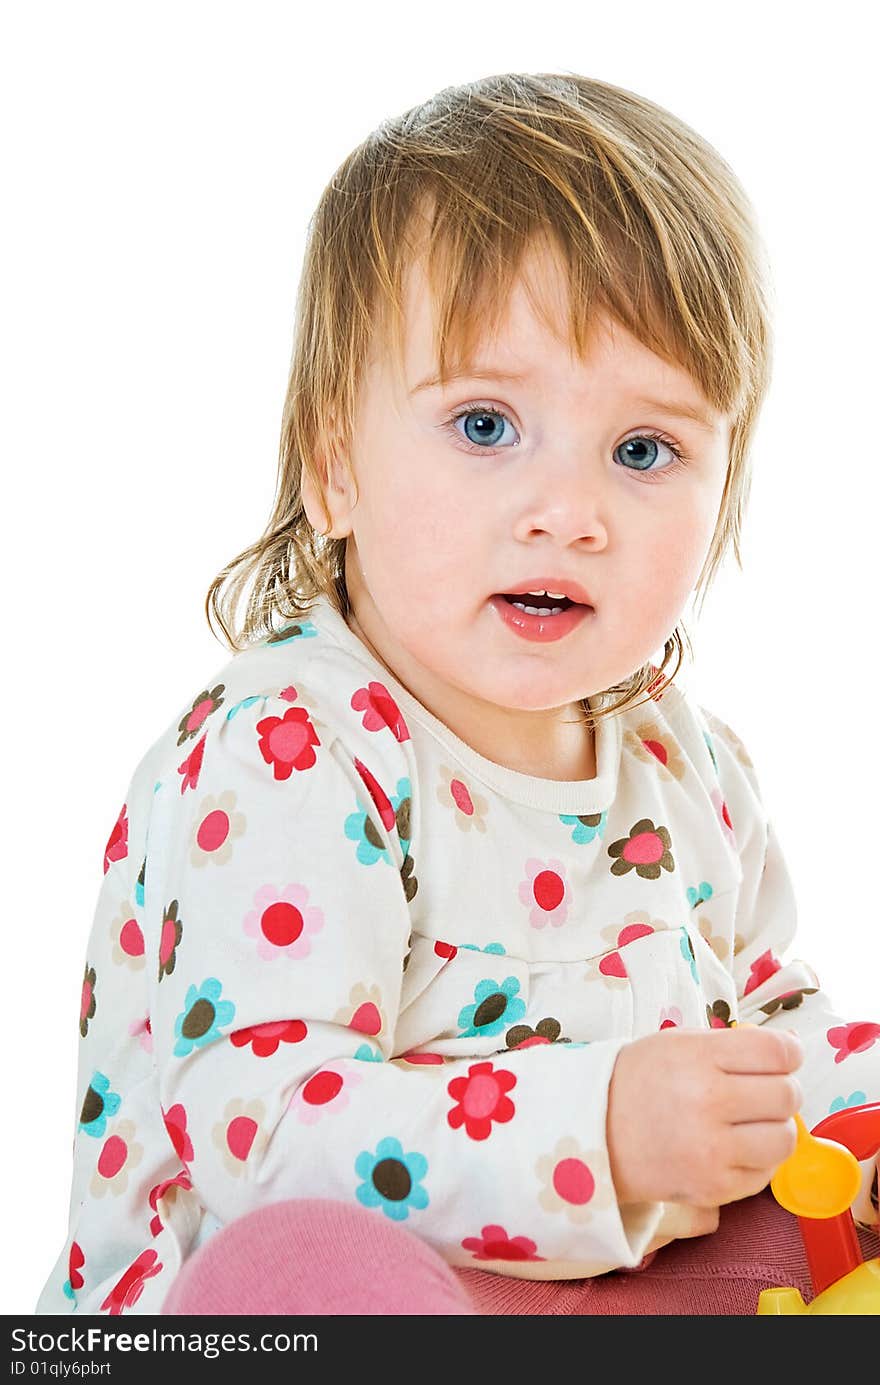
(818, 1184)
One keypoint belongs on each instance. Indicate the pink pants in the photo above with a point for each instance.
(317, 1256)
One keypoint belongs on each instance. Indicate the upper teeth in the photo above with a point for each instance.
(560, 596)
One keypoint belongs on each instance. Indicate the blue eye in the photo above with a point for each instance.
(642, 450)
(483, 427)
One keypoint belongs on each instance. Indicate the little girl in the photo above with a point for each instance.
(437, 966)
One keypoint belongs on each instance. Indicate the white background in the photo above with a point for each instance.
(160, 164)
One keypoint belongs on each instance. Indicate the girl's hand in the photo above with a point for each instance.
(702, 1117)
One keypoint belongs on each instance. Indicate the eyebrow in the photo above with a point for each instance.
(673, 408)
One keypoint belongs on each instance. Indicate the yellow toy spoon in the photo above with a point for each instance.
(819, 1180)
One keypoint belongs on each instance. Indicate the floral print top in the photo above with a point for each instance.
(337, 953)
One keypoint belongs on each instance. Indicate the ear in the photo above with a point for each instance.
(329, 506)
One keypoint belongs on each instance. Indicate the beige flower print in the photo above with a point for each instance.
(240, 1136)
(364, 1011)
(127, 938)
(469, 807)
(217, 825)
(576, 1181)
(119, 1154)
(651, 742)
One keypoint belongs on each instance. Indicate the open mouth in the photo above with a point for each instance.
(534, 605)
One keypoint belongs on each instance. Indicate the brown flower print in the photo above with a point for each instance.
(790, 1001)
(87, 1000)
(646, 851)
(203, 704)
(468, 806)
(410, 883)
(169, 939)
(718, 1015)
(654, 745)
(546, 1031)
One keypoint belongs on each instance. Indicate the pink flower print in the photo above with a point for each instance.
(175, 1119)
(670, 1017)
(325, 1091)
(380, 710)
(495, 1244)
(653, 744)
(75, 1262)
(287, 743)
(117, 843)
(283, 922)
(142, 1031)
(127, 1290)
(852, 1038)
(545, 893)
(723, 813)
(761, 970)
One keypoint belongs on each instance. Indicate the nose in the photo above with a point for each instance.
(563, 500)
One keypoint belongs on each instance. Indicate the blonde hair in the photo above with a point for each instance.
(653, 228)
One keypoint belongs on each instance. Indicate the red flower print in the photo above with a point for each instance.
(495, 1244)
(175, 1124)
(380, 710)
(87, 1004)
(264, 1039)
(202, 706)
(761, 969)
(852, 1038)
(447, 950)
(646, 851)
(180, 1180)
(378, 795)
(481, 1099)
(75, 1262)
(286, 742)
(117, 844)
(612, 964)
(127, 1290)
(191, 767)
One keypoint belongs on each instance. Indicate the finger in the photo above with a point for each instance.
(745, 1050)
(752, 1097)
(761, 1145)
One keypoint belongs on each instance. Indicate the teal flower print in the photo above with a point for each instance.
(202, 1018)
(494, 1008)
(392, 1179)
(367, 1054)
(497, 949)
(700, 895)
(587, 826)
(840, 1103)
(711, 748)
(359, 827)
(99, 1103)
(687, 952)
(245, 702)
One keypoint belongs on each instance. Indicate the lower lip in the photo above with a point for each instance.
(540, 629)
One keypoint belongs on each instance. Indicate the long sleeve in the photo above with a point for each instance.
(841, 1056)
(278, 920)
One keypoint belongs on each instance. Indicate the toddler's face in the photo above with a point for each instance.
(544, 477)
